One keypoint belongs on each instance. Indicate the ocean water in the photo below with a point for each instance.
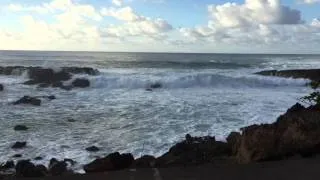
(202, 94)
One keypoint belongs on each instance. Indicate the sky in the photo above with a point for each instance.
(197, 26)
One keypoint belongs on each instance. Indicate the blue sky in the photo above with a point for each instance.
(256, 26)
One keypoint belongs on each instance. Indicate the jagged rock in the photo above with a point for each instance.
(7, 165)
(194, 150)
(28, 100)
(25, 168)
(57, 168)
(19, 145)
(49, 76)
(20, 128)
(92, 149)
(112, 162)
(81, 83)
(233, 141)
(145, 162)
(295, 132)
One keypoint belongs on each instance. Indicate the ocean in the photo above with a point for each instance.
(201, 94)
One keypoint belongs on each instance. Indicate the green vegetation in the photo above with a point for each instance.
(314, 97)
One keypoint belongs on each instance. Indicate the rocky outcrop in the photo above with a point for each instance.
(295, 132)
(312, 74)
(47, 77)
(81, 83)
(28, 100)
(57, 168)
(19, 145)
(25, 168)
(20, 128)
(112, 162)
(145, 161)
(194, 150)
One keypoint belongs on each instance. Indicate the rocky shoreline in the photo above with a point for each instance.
(295, 133)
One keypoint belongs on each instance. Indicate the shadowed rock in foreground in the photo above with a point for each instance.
(312, 74)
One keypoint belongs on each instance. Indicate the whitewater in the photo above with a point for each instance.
(201, 94)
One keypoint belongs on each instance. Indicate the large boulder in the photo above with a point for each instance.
(81, 83)
(28, 100)
(194, 150)
(57, 168)
(25, 168)
(295, 132)
(112, 162)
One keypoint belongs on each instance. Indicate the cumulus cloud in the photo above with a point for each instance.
(253, 12)
(124, 14)
(309, 1)
(117, 2)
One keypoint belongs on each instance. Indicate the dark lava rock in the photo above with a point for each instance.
(81, 83)
(156, 86)
(19, 145)
(38, 158)
(49, 76)
(20, 128)
(67, 88)
(149, 89)
(71, 120)
(57, 168)
(7, 165)
(57, 84)
(194, 150)
(92, 149)
(233, 141)
(112, 162)
(1, 87)
(295, 132)
(312, 74)
(28, 100)
(17, 156)
(51, 97)
(25, 168)
(145, 162)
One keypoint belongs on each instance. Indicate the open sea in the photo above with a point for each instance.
(202, 94)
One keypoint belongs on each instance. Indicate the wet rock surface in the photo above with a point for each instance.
(28, 100)
(312, 74)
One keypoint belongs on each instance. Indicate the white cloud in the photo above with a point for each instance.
(117, 2)
(124, 14)
(309, 1)
(253, 12)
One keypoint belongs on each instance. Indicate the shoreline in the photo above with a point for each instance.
(282, 140)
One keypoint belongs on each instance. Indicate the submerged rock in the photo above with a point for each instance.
(81, 83)
(25, 168)
(17, 156)
(28, 100)
(92, 149)
(19, 145)
(156, 85)
(38, 158)
(20, 128)
(112, 162)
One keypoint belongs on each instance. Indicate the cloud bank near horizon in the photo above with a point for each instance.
(250, 26)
